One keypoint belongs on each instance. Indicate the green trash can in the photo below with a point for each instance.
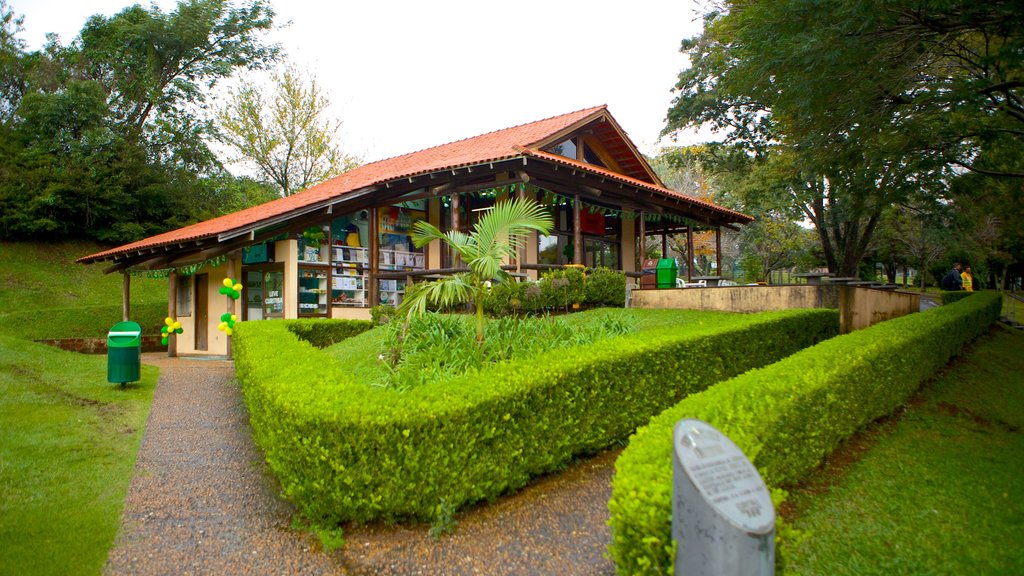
(124, 347)
(667, 270)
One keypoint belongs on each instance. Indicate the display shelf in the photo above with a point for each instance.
(313, 290)
(350, 265)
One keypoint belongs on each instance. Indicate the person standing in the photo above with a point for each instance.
(952, 281)
(966, 280)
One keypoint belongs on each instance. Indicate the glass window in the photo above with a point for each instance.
(601, 252)
(183, 306)
(567, 149)
(555, 249)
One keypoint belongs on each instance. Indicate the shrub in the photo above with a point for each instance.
(562, 288)
(382, 314)
(605, 287)
(344, 451)
(322, 332)
(954, 296)
(786, 417)
(504, 298)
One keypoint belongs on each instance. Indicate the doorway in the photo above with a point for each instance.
(202, 311)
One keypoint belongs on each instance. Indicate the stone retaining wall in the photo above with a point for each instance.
(99, 345)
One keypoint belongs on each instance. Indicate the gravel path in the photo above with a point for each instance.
(202, 502)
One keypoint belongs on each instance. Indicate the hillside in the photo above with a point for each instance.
(45, 294)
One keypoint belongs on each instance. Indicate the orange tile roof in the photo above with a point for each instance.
(491, 147)
(598, 170)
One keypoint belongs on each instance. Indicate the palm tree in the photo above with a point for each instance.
(499, 234)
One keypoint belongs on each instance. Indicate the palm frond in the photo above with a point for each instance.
(512, 219)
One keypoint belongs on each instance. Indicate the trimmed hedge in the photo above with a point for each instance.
(346, 451)
(786, 417)
(321, 332)
(954, 296)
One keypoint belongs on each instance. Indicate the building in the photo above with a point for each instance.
(341, 246)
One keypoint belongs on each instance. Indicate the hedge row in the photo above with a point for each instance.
(323, 333)
(345, 451)
(787, 417)
(949, 297)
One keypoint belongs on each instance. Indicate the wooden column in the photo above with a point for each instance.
(664, 245)
(374, 256)
(172, 311)
(689, 254)
(521, 253)
(718, 250)
(642, 251)
(455, 258)
(126, 297)
(231, 301)
(577, 232)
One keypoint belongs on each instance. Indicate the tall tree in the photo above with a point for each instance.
(106, 137)
(861, 101)
(157, 68)
(289, 136)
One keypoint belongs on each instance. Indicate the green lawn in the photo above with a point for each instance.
(937, 490)
(45, 294)
(68, 442)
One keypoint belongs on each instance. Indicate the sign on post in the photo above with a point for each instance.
(723, 520)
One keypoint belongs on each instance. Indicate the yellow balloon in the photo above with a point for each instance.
(228, 282)
(237, 287)
(222, 326)
(229, 331)
(176, 325)
(169, 321)
(234, 318)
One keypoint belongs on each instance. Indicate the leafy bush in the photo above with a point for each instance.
(382, 314)
(322, 332)
(345, 451)
(606, 287)
(786, 417)
(562, 288)
(504, 298)
(954, 296)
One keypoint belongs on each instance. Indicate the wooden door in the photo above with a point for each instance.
(202, 311)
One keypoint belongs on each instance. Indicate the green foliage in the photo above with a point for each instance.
(347, 451)
(950, 297)
(67, 449)
(786, 417)
(288, 137)
(433, 347)
(322, 333)
(937, 491)
(505, 298)
(444, 521)
(563, 288)
(605, 287)
(496, 236)
(382, 314)
(106, 138)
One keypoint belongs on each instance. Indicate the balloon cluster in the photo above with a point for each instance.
(227, 323)
(230, 288)
(171, 326)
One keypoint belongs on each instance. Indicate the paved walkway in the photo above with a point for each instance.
(202, 502)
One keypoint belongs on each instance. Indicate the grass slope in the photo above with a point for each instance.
(45, 294)
(937, 491)
(67, 448)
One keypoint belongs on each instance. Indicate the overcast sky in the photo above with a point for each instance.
(404, 75)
